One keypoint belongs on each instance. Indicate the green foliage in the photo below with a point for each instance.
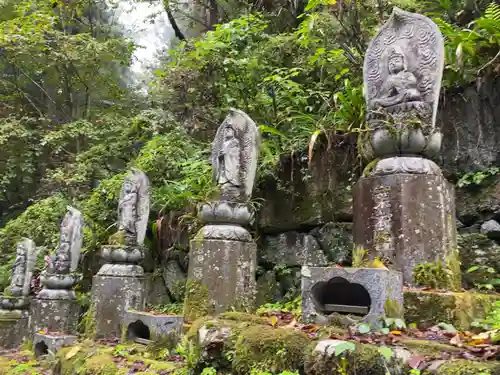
(477, 178)
(492, 320)
(294, 306)
(488, 277)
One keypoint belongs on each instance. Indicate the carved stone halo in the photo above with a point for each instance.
(419, 44)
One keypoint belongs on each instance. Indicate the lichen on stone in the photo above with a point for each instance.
(196, 302)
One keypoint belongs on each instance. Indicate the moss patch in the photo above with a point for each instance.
(92, 359)
(269, 349)
(364, 360)
(463, 367)
(196, 304)
(460, 309)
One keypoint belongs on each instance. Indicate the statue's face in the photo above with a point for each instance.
(128, 187)
(20, 250)
(396, 63)
(229, 133)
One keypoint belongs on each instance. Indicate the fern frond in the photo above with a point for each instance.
(492, 12)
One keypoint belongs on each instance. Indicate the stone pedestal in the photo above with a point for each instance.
(14, 328)
(405, 218)
(115, 289)
(155, 327)
(57, 315)
(45, 344)
(349, 295)
(221, 276)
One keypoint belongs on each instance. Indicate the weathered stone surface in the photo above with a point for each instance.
(373, 288)
(158, 326)
(55, 316)
(14, 328)
(469, 122)
(460, 309)
(479, 203)
(310, 192)
(45, 344)
(156, 290)
(405, 219)
(335, 239)
(22, 269)
(268, 289)
(476, 250)
(292, 249)
(225, 270)
(175, 279)
(491, 229)
(112, 296)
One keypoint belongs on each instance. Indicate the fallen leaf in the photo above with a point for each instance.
(72, 352)
(274, 320)
(415, 361)
(457, 341)
(397, 333)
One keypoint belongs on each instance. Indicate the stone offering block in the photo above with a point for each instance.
(14, 328)
(44, 344)
(115, 289)
(221, 277)
(148, 326)
(350, 294)
(427, 308)
(54, 315)
(405, 219)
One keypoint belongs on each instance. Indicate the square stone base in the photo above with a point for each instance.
(143, 325)
(405, 219)
(221, 277)
(364, 294)
(14, 328)
(55, 316)
(45, 344)
(112, 296)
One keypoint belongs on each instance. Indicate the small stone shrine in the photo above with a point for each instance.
(223, 254)
(404, 210)
(55, 308)
(119, 285)
(15, 302)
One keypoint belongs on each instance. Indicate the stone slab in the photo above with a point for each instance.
(14, 328)
(159, 326)
(223, 271)
(461, 309)
(54, 316)
(112, 296)
(329, 285)
(44, 344)
(405, 219)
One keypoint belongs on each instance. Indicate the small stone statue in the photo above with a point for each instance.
(402, 75)
(133, 208)
(401, 85)
(234, 156)
(403, 67)
(67, 254)
(22, 269)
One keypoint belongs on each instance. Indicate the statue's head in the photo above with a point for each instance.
(20, 250)
(229, 132)
(396, 60)
(128, 186)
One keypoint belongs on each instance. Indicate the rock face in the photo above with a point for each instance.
(477, 250)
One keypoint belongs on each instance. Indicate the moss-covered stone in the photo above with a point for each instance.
(477, 249)
(428, 348)
(91, 359)
(196, 302)
(464, 367)
(269, 349)
(117, 239)
(427, 308)
(364, 360)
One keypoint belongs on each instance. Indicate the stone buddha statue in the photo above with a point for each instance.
(228, 166)
(400, 86)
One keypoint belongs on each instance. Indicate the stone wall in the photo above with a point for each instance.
(307, 216)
